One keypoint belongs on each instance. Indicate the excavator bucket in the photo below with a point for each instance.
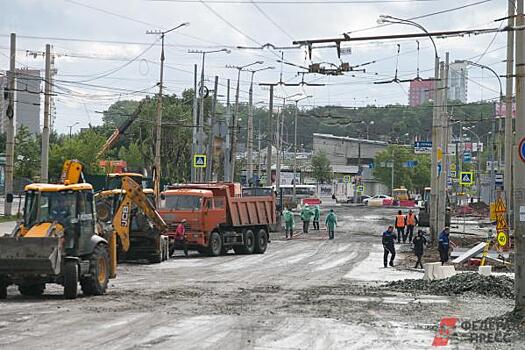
(30, 256)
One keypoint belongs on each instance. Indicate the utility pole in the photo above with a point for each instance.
(259, 168)
(194, 133)
(436, 148)
(509, 132)
(249, 139)
(519, 166)
(442, 178)
(233, 151)
(10, 130)
(158, 120)
(227, 167)
(45, 131)
(270, 135)
(211, 123)
(294, 195)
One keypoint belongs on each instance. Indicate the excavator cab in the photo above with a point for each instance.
(57, 242)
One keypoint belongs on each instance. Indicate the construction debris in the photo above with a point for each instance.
(495, 286)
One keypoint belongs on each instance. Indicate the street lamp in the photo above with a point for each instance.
(249, 139)
(437, 206)
(236, 112)
(71, 128)
(158, 120)
(295, 144)
(477, 160)
(367, 127)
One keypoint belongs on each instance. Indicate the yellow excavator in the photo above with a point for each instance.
(58, 240)
(129, 211)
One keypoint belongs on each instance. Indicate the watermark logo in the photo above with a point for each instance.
(445, 330)
(477, 332)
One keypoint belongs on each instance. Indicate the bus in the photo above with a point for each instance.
(301, 192)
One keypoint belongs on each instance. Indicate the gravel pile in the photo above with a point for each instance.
(495, 286)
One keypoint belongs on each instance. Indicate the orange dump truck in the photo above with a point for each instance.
(217, 219)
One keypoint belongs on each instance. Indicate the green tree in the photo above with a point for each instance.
(383, 170)
(83, 146)
(133, 155)
(321, 170)
(27, 154)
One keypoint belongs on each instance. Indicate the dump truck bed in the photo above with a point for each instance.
(251, 211)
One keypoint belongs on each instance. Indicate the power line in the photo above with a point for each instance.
(300, 2)
(271, 20)
(218, 15)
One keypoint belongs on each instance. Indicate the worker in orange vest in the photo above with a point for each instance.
(400, 224)
(411, 223)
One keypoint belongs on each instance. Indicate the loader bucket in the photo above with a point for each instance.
(30, 256)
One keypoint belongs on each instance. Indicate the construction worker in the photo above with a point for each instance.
(317, 216)
(331, 223)
(289, 222)
(389, 237)
(444, 245)
(400, 224)
(306, 215)
(180, 236)
(419, 246)
(411, 223)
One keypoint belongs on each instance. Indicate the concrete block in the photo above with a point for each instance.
(430, 270)
(448, 271)
(434, 271)
(485, 270)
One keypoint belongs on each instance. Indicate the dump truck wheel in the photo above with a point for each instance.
(3, 290)
(70, 280)
(215, 244)
(261, 242)
(249, 244)
(97, 282)
(32, 290)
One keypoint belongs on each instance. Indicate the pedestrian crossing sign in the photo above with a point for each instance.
(466, 178)
(199, 161)
(361, 189)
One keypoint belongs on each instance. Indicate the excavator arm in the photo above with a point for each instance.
(133, 195)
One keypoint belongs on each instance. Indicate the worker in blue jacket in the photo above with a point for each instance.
(389, 238)
(444, 245)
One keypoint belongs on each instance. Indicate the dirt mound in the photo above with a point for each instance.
(496, 286)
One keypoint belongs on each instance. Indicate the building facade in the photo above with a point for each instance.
(458, 81)
(420, 91)
(27, 100)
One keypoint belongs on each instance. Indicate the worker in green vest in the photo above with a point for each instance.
(306, 215)
(317, 216)
(331, 223)
(289, 222)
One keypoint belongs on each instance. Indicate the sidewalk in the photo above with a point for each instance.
(7, 227)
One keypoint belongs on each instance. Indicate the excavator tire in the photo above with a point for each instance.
(70, 280)
(32, 290)
(261, 241)
(215, 244)
(97, 282)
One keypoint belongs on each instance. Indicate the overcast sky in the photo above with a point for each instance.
(115, 58)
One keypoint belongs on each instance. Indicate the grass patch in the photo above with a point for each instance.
(7, 218)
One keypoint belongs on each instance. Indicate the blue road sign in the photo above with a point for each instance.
(422, 147)
(466, 178)
(521, 149)
(467, 157)
(439, 168)
(410, 164)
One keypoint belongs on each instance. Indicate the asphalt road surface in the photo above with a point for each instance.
(307, 293)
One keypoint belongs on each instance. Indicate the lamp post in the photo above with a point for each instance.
(200, 119)
(249, 139)
(71, 128)
(477, 160)
(437, 208)
(295, 145)
(158, 120)
(233, 138)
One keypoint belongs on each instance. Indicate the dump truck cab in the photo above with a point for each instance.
(202, 211)
(56, 242)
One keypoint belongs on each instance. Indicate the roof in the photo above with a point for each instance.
(350, 139)
(189, 192)
(119, 191)
(58, 187)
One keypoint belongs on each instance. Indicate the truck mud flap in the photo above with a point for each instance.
(30, 256)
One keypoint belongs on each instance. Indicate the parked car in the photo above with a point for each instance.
(377, 199)
(360, 199)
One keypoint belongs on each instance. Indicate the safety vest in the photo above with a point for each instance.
(400, 221)
(411, 219)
